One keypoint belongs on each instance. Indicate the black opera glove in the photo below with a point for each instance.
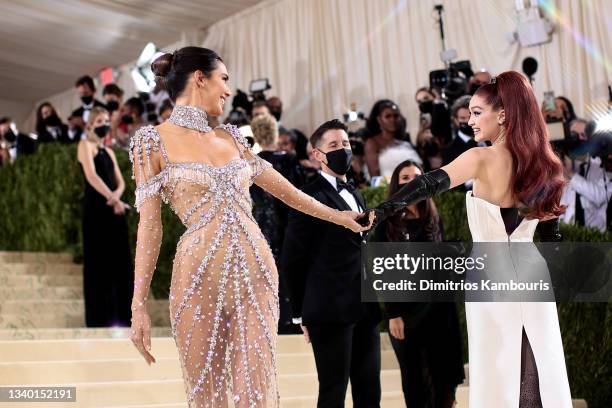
(421, 187)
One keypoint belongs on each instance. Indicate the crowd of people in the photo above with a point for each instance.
(334, 162)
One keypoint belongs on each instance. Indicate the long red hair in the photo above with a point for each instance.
(537, 177)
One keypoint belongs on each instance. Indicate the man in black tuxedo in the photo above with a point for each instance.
(463, 139)
(86, 89)
(322, 264)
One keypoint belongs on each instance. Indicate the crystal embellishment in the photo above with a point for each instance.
(190, 117)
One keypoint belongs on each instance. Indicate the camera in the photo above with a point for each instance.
(452, 82)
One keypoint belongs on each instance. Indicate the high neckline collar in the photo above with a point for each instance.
(190, 117)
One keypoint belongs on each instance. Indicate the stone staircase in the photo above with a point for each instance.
(43, 343)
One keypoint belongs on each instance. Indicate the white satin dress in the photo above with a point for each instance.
(495, 328)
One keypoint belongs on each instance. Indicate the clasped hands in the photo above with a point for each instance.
(119, 206)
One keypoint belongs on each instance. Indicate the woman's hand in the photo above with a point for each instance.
(141, 333)
(351, 218)
(119, 208)
(396, 328)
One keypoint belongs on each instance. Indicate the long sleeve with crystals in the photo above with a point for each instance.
(145, 158)
(270, 180)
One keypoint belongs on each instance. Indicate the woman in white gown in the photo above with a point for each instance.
(515, 350)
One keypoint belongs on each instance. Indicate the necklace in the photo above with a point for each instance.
(190, 117)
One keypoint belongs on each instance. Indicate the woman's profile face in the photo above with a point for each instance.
(407, 174)
(215, 90)
(484, 120)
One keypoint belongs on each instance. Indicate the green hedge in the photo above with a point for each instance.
(40, 210)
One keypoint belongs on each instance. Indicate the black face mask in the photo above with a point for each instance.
(426, 106)
(112, 106)
(10, 136)
(52, 121)
(276, 113)
(101, 131)
(466, 129)
(339, 161)
(86, 99)
(127, 119)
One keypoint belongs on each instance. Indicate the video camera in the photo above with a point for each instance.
(451, 82)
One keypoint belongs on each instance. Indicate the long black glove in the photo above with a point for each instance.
(422, 187)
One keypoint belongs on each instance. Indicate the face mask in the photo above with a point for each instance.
(426, 107)
(112, 106)
(52, 121)
(339, 161)
(466, 129)
(87, 99)
(127, 119)
(101, 131)
(276, 113)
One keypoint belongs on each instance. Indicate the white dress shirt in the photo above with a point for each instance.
(345, 194)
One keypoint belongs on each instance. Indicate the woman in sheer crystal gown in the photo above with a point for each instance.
(224, 288)
(516, 357)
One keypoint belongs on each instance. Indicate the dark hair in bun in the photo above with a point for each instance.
(174, 69)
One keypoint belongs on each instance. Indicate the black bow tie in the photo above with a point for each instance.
(348, 185)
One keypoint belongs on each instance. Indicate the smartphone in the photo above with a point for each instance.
(549, 100)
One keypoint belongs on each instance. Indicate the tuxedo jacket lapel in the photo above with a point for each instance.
(333, 195)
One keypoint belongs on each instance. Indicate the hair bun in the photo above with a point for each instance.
(162, 64)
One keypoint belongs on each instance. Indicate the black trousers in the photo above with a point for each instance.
(343, 352)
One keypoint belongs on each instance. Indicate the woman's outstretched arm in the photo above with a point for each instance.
(465, 167)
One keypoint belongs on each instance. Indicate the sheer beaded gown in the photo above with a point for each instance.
(223, 297)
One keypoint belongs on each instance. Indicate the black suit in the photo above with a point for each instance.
(456, 149)
(322, 264)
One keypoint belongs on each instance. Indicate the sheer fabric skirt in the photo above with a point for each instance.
(224, 313)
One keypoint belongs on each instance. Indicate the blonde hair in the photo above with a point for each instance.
(93, 114)
(265, 130)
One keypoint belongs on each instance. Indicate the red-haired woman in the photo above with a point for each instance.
(516, 353)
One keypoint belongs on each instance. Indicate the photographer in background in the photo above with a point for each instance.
(589, 187)
(259, 108)
(463, 135)
(434, 115)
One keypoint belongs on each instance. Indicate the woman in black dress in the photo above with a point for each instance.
(425, 336)
(108, 274)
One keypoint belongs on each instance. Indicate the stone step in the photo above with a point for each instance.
(60, 306)
(135, 369)
(119, 347)
(388, 400)
(76, 333)
(40, 269)
(40, 281)
(42, 320)
(28, 314)
(48, 293)
(34, 257)
(96, 394)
